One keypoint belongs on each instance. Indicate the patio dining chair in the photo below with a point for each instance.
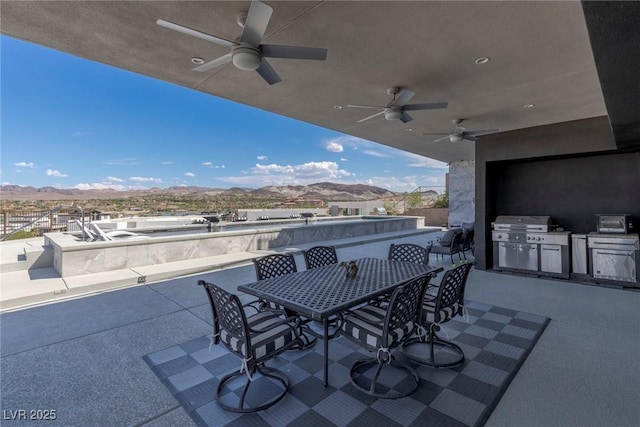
(448, 244)
(255, 339)
(276, 265)
(436, 310)
(316, 257)
(409, 252)
(380, 330)
(320, 256)
(467, 244)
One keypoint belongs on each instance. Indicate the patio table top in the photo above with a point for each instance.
(322, 292)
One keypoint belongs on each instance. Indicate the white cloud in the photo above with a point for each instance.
(375, 153)
(125, 161)
(417, 161)
(53, 172)
(212, 166)
(113, 179)
(167, 163)
(145, 179)
(190, 174)
(274, 174)
(334, 147)
(262, 157)
(98, 186)
(29, 165)
(343, 159)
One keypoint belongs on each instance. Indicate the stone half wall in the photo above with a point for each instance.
(72, 256)
(462, 188)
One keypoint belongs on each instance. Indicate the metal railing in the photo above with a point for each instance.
(37, 222)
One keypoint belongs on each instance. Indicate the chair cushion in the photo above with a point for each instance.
(366, 323)
(447, 237)
(274, 338)
(446, 313)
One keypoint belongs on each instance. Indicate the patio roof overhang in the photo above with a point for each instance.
(540, 53)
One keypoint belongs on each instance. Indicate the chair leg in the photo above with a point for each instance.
(278, 378)
(439, 354)
(359, 378)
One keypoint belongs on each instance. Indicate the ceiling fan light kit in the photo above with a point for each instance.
(246, 58)
(392, 114)
(397, 108)
(459, 133)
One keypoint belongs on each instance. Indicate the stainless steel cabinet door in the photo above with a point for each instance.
(528, 257)
(614, 265)
(508, 255)
(551, 258)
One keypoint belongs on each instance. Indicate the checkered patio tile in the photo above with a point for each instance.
(495, 340)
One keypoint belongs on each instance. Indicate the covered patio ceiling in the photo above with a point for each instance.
(540, 54)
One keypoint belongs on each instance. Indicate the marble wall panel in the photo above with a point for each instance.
(156, 253)
(462, 191)
(116, 258)
(94, 261)
(137, 256)
(178, 251)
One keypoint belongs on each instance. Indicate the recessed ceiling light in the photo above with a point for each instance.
(197, 61)
(528, 105)
(483, 60)
(338, 107)
(409, 129)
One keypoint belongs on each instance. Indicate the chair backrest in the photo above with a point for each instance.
(450, 298)
(404, 307)
(229, 320)
(319, 256)
(408, 252)
(274, 265)
(467, 239)
(456, 242)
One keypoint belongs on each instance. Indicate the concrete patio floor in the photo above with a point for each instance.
(83, 357)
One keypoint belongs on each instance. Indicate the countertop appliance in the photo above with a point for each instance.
(615, 224)
(529, 244)
(615, 257)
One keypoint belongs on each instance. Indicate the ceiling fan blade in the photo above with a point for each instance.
(479, 132)
(366, 106)
(256, 23)
(405, 118)
(370, 117)
(225, 59)
(439, 133)
(427, 106)
(440, 139)
(268, 73)
(293, 52)
(195, 33)
(404, 97)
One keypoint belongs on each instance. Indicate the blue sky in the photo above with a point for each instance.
(71, 123)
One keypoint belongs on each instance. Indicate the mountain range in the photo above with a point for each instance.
(328, 191)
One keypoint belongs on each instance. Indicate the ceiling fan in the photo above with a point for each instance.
(459, 133)
(397, 108)
(247, 52)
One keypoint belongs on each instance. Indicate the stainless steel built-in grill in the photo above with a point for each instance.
(530, 244)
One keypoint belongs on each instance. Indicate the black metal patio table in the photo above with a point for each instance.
(326, 291)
